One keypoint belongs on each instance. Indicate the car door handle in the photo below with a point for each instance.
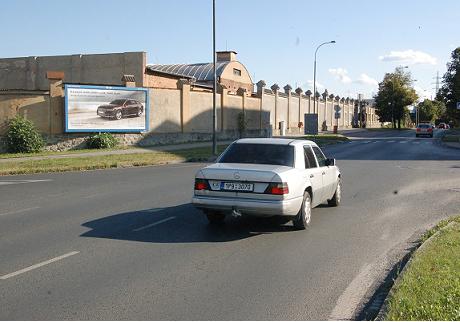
(312, 175)
(323, 173)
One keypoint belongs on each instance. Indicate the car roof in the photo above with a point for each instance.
(280, 141)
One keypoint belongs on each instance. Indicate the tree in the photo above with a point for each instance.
(450, 90)
(394, 95)
(430, 110)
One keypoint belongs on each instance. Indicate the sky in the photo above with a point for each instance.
(275, 40)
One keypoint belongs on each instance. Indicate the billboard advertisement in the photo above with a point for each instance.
(106, 109)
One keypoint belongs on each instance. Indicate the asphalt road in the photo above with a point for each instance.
(126, 244)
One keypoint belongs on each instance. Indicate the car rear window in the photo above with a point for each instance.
(259, 154)
(424, 126)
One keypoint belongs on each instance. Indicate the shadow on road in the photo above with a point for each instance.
(180, 224)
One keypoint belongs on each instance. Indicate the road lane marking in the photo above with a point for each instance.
(27, 269)
(355, 291)
(18, 211)
(392, 141)
(403, 142)
(154, 224)
(367, 142)
(8, 182)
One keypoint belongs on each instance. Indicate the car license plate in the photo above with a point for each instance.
(237, 186)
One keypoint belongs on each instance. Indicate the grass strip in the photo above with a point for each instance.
(325, 139)
(384, 129)
(46, 153)
(430, 286)
(105, 161)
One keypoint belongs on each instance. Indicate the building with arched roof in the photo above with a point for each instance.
(230, 73)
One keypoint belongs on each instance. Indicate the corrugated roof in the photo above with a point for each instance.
(201, 72)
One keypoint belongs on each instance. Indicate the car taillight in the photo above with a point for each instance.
(430, 129)
(201, 184)
(277, 189)
(418, 129)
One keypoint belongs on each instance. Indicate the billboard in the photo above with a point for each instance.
(106, 109)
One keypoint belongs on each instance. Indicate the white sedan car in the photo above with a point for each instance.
(268, 177)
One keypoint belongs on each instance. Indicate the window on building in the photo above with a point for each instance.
(236, 72)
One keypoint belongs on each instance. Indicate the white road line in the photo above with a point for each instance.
(18, 211)
(8, 182)
(24, 270)
(403, 142)
(367, 142)
(392, 141)
(154, 224)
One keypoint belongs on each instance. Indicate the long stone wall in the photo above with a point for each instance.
(183, 115)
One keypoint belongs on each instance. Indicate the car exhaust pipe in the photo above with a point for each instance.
(236, 213)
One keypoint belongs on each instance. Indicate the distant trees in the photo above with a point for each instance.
(450, 90)
(394, 95)
(429, 110)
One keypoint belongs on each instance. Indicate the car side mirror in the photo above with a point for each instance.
(330, 162)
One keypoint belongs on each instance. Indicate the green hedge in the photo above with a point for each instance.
(101, 141)
(23, 137)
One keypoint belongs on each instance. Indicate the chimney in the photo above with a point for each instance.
(226, 55)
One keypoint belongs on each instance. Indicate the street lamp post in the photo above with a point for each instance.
(314, 73)
(214, 86)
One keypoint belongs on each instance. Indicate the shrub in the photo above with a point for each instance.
(242, 123)
(23, 137)
(101, 141)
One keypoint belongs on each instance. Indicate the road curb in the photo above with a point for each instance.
(381, 316)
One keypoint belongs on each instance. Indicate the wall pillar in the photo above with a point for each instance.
(260, 93)
(299, 92)
(184, 85)
(275, 88)
(223, 90)
(287, 91)
(56, 107)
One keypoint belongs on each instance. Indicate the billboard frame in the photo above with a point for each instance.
(138, 89)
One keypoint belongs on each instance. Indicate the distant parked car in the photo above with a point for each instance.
(424, 129)
(120, 108)
(441, 125)
(268, 177)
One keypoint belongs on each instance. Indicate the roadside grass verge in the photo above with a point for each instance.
(46, 153)
(429, 289)
(325, 139)
(384, 129)
(452, 135)
(105, 161)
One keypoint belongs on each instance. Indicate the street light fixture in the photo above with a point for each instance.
(314, 73)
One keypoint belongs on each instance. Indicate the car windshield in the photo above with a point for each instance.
(275, 154)
(118, 102)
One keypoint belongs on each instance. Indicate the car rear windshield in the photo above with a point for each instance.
(259, 154)
(424, 126)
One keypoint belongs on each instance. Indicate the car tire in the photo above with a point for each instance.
(303, 218)
(337, 198)
(118, 115)
(140, 111)
(431, 135)
(416, 135)
(215, 218)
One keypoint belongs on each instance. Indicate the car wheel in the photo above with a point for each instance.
(303, 218)
(118, 115)
(215, 218)
(337, 198)
(431, 135)
(140, 111)
(416, 135)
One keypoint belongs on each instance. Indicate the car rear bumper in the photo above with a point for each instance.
(253, 207)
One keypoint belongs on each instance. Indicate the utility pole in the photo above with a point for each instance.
(214, 85)
(436, 83)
